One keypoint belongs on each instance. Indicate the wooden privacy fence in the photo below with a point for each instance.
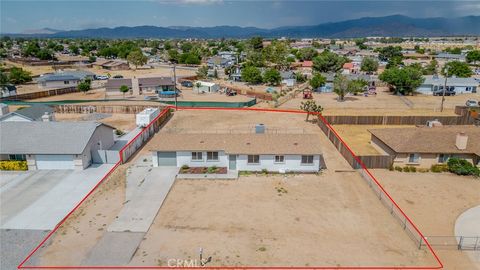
(376, 161)
(128, 109)
(396, 120)
(129, 149)
(42, 94)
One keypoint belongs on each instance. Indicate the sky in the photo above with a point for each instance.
(17, 16)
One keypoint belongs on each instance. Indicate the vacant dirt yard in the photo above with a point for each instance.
(384, 103)
(358, 138)
(434, 201)
(125, 122)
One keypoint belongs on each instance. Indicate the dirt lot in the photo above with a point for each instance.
(125, 122)
(358, 138)
(434, 202)
(384, 103)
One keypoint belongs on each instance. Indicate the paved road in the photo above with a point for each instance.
(15, 245)
(144, 201)
(40, 199)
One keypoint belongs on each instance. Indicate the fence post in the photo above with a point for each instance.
(420, 243)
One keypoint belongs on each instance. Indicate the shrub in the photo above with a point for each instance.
(413, 169)
(398, 168)
(212, 169)
(391, 168)
(423, 170)
(438, 168)
(13, 165)
(406, 169)
(119, 132)
(462, 167)
(264, 171)
(185, 167)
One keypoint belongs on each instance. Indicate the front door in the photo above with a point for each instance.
(232, 162)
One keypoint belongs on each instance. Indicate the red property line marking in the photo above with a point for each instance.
(440, 266)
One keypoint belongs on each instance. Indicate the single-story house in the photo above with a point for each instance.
(426, 146)
(288, 78)
(112, 87)
(450, 57)
(115, 65)
(239, 152)
(307, 69)
(155, 85)
(36, 112)
(54, 145)
(460, 85)
(219, 62)
(64, 79)
(8, 90)
(200, 87)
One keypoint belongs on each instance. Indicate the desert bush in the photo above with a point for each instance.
(406, 169)
(13, 165)
(398, 168)
(413, 169)
(212, 169)
(438, 168)
(423, 170)
(462, 167)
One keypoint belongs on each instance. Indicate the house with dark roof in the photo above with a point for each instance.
(112, 87)
(64, 79)
(7, 90)
(37, 112)
(239, 152)
(54, 145)
(425, 146)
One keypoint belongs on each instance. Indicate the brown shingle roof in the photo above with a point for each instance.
(116, 83)
(429, 140)
(155, 81)
(254, 144)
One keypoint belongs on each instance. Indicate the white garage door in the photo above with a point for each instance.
(54, 162)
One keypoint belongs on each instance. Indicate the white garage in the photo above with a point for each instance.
(54, 162)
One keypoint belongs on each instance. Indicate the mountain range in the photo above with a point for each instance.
(388, 26)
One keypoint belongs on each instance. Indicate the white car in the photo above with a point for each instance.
(472, 103)
(101, 77)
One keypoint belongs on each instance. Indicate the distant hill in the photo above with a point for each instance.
(41, 31)
(392, 26)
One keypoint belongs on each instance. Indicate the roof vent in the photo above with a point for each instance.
(461, 141)
(295, 143)
(201, 141)
(248, 143)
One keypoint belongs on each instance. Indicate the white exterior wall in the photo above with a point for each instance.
(185, 158)
(102, 135)
(292, 163)
(58, 84)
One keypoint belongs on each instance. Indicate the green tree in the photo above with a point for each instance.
(431, 68)
(137, 58)
(92, 59)
(85, 86)
(272, 77)
(251, 75)
(317, 81)
(173, 56)
(390, 52)
(311, 107)
(45, 54)
(202, 72)
(256, 43)
(3, 77)
(328, 62)
(306, 54)
(18, 76)
(403, 81)
(341, 86)
(369, 65)
(457, 68)
(473, 56)
(124, 89)
(74, 49)
(357, 86)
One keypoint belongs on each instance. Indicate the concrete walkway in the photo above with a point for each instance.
(145, 200)
(468, 225)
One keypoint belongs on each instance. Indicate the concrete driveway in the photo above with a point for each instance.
(144, 200)
(38, 200)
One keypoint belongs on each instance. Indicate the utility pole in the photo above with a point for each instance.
(175, 86)
(444, 89)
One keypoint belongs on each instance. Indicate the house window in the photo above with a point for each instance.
(279, 159)
(66, 82)
(212, 156)
(253, 159)
(197, 156)
(17, 157)
(442, 158)
(307, 160)
(413, 158)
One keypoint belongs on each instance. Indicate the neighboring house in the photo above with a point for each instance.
(115, 65)
(307, 69)
(155, 85)
(8, 90)
(236, 75)
(33, 113)
(426, 146)
(112, 87)
(350, 68)
(450, 57)
(460, 85)
(63, 79)
(239, 152)
(201, 87)
(288, 78)
(219, 62)
(54, 145)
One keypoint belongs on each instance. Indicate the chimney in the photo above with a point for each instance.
(461, 141)
(47, 117)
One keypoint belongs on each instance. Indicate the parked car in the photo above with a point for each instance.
(448, 92)
(118, 77)
(472, 103)
(101, 77)
(186, 84)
